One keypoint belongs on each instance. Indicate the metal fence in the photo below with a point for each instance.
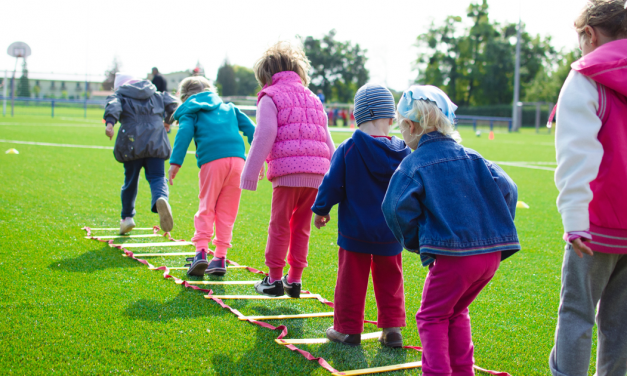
(51, 107)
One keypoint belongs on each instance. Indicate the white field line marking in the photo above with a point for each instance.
(524, 165)
(65, 145)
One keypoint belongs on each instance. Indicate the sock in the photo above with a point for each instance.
(275, 274)
(295, 275)
(220, 251)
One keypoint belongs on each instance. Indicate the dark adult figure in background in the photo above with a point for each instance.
(159, 81)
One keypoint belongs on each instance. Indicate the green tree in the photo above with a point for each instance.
(23, 90)
(226, 80)
(548, 82)
(475, 65)
(337, 68)
(107, 84)
(245, 80)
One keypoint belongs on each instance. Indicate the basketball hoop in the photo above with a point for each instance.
(19, 49)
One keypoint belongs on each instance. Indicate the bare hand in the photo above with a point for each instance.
(109, 131)
(166, 126)
(174, 169)
(261, 174)
(580, 248)
(321, 220)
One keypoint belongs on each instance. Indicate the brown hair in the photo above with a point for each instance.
(610, 16)
(282, 57)
(194, 85)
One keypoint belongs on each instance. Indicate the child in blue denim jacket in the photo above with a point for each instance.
(456, 210)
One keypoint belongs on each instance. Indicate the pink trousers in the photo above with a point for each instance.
(290, 226)
(443, 320)
(352, 285)
(219, 201)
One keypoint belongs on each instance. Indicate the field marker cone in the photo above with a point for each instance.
(491, 136)
(521, 205)
(12, 151)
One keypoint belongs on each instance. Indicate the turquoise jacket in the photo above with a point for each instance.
(215, 128)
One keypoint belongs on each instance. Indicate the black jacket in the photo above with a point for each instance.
(160, 83)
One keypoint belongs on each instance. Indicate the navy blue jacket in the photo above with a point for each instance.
(445, 199)
(360, 172)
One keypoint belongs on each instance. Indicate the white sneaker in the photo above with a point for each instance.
(165, 215)
(126, 225)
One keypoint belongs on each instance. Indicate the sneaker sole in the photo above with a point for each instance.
(128, 229)
(394, 345)
(218, 272)
(198, 270)
(165, 215)
(344, 343)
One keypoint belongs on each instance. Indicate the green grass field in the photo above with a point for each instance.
(74, 306)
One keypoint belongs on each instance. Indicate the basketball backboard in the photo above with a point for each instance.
(19, 49)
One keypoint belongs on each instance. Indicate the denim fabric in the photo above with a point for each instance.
(445, 199)
(155, 174)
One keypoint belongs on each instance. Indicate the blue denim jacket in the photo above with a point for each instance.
(445, 199)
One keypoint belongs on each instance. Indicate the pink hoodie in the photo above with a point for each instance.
(607, 66)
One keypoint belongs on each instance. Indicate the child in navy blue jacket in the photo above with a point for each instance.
(361, 169)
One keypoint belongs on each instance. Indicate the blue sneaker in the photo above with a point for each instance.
(199, 264)
(217, 266)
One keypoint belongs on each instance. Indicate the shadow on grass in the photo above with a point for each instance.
(96, 260)
(187, 304)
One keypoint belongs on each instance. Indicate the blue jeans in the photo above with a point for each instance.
(154, 168)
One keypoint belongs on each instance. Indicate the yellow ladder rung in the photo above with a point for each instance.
(126, 236)
(161, 254)
(118, 229)
(280, 317)
(186, 268)
(180, 282)
(261, 297)
(321, 340)
(365, 371)
(145, 245)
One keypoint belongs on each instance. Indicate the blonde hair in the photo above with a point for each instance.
(194, 85)
(608, 15)
(431, 118)
(282, 57)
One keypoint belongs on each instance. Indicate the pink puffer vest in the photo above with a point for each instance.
(300, 145)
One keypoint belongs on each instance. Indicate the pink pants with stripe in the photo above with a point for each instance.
(219, 202)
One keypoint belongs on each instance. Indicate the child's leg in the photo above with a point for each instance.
(612, 334)
(283, 201)
(450, 280)
(129, 189)
(227, 206)
(583, 281)
(155, 174)
(387, 278)
(210, 179)
(350, 291)
(300, 229)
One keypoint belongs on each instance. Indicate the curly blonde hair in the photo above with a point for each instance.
(194, 85)
(431, 118)
(608, 15)
(282, 57)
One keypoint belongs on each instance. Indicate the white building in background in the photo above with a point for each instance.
(174, 78)
(52, 85)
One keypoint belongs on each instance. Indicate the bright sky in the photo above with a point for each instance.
(81, 36)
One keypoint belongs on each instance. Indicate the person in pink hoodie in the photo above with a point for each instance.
(591, 175)
(293, 137)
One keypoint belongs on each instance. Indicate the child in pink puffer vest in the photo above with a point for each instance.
(292, 136)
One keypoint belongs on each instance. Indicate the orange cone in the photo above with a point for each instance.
(491, 136)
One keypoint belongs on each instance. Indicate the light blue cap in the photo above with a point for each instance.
(427, 93)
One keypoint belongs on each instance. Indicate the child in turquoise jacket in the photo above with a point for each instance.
(220, 154)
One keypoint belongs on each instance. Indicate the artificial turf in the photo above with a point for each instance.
(71, 305)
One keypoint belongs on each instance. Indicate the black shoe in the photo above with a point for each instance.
(199, 264)
(264, 287)
(217, 267)
(391, 337)
(346, 339)
(291, 289)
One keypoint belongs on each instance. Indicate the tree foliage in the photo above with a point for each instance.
(107, 84)
(23, 90)
(245, 81)
(474, 65)
(226, 81)
(337, 68)
(547, 84)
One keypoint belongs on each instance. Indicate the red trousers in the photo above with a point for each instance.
(352, 284)
(290, 226)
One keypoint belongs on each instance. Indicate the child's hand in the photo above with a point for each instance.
(580, 248)
(174, 169)
(261, 173)
(321, 220)
(109, 131)
(166, 126)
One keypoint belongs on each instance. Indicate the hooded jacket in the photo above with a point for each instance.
(361, 169)
(140, 109)
(215, 128)
(591, 146)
